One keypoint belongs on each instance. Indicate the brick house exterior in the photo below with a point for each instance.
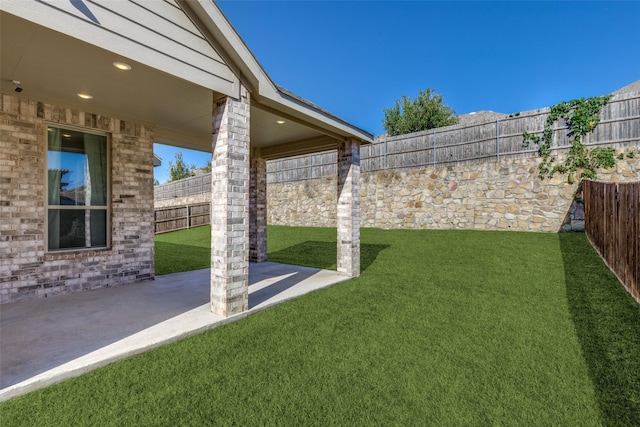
(27, 269)
(99, 71)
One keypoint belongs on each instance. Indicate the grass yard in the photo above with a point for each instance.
(443, 328)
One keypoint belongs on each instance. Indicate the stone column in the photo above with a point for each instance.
(258, 208)
(348, 220)
(230, 206)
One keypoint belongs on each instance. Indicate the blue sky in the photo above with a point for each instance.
(355, 58)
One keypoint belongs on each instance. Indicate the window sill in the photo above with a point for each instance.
(75, 253)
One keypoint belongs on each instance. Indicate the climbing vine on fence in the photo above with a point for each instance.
(581, 116)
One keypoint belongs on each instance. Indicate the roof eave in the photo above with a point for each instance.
(228, 43)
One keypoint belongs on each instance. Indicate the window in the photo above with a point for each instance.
(77, 189)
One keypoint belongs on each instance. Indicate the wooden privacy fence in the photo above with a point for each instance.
(490, 139)
(180, 217)
(183, 188)
(612, 223)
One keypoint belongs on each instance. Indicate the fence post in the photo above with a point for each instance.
(498, 138)
(188, 216)
(554, 141)
(434, 148)
(384, 154)
(281, 170)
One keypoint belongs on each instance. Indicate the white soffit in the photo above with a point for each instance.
(155, 33)
(54, 68)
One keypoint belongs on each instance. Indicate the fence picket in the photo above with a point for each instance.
(612, 223)
(181, 217)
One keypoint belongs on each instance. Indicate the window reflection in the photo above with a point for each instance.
(77, 178)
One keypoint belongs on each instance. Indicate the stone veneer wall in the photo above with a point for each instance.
(504, 195)
(27, 270)
(180, 201)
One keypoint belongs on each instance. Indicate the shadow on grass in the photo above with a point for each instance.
(323, 255)
(178, 258)
(607, 321)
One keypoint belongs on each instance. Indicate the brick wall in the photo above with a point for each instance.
(27, 270)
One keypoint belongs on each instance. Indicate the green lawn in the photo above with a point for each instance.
(443, 328)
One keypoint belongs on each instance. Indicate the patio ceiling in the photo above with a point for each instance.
(54, 68)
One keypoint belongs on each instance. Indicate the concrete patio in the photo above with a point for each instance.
(45, 341)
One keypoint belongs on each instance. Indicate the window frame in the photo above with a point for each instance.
(48, 207)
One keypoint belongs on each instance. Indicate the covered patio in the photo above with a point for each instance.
(194, 84)
(45, 341)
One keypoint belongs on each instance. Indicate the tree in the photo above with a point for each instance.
(178, 169)
(427, 111)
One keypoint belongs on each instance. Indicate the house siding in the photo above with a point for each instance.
(27, 270)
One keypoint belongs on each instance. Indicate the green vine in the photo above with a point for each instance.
(581, 116)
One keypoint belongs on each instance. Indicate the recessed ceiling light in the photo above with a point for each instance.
(122, 66)
(280, 122)
(66, 135)
(85, 96)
